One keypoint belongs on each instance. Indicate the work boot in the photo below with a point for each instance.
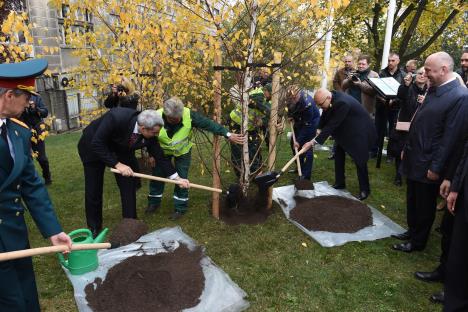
(176, 216)
(151, 208)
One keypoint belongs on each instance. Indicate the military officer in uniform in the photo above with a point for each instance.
(20, 184)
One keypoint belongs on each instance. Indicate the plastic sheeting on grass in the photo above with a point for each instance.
(220, 292)
(382, 226)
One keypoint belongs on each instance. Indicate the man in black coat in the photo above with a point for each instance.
(456, 281)
(433, 134)
(111, 141)
(349, 123)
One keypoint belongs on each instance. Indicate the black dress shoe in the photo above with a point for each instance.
(397, 182)
(363, 195)
(151, 208)
(403, 236)
(406, 247)
(339, 186)
(434, 276)
(438, 297)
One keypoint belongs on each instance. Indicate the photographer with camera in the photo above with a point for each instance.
(122, 95)
(357, 86)
(33, 116)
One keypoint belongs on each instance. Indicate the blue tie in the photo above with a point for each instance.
(4, 133)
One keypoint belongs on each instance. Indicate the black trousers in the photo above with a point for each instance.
(94, 182)
(362, 172)
(39, 148)
(421, 202)
(18, 291)
(456, 281)
(446, 229)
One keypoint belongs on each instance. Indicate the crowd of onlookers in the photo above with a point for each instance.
(427, 129)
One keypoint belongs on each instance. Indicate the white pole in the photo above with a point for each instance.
(388, 33)
(327, 52)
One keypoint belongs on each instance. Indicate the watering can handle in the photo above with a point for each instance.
(17, 254)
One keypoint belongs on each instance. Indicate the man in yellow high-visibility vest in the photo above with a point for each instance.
(175, 139)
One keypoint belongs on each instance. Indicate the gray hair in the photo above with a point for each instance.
(150, 118)
(174, 107)
(16, 92)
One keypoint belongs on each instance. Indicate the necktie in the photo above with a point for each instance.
(4, 133)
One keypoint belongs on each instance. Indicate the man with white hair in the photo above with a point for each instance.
(435, 129)
(175, 139)
(111, 141)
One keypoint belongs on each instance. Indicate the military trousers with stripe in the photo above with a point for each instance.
(180, 196)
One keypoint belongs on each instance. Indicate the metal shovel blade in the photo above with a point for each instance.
(266, 179)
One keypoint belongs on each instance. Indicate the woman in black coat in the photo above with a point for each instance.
(411, 94)
(123, 95)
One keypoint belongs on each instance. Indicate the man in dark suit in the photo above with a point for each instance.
(349, 123)
(456, 282)
(433, 134)
(20, 183)
(111, 141)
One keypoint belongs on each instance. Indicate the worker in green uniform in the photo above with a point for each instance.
(259, 111)
(175, 139)
(20, 185)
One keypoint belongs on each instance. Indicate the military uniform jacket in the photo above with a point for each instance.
(20, 183)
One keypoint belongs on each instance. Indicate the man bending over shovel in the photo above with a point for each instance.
(349, 123)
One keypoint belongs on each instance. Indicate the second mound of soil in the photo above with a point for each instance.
(128, 231)
(332, 214)
(167, 282)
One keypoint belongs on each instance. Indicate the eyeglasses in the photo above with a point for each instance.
(321, 104)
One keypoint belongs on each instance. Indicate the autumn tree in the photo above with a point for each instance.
(420, 27)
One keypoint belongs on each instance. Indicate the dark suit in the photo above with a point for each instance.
(456, 282)
(105, 142)
(354, 132)
(20, 181)
(433, 134)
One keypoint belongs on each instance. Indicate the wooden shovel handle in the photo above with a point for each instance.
(298, 161)
(17, 254)
(302, 151)
(150, 177)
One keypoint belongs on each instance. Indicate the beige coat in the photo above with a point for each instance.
(367, 92)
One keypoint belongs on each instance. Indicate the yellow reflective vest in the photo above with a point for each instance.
(181, 142)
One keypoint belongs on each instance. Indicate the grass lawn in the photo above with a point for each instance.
(268, 261)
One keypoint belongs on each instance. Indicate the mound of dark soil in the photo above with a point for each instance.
(332, 214)
(170, 281)
(302, 185)
(247, 210)
(128, 231)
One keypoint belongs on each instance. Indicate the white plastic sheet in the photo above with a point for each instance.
(220, 292)
(382, 226)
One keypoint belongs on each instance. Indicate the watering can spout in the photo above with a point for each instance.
(102, 236)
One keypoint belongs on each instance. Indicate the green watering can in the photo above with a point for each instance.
(82, 261)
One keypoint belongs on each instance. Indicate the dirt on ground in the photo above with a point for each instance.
(166, 282)
(303, 185)
(245, 210)
(332, 214)
(128, 231)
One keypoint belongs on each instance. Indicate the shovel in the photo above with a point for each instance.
(298, 161)
(150, 177)
(269, 178)
(17, 254)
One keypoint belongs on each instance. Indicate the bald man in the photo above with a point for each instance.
(436, 127)
(349, 123)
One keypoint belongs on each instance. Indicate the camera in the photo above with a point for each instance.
(413, 76)
(121, 88)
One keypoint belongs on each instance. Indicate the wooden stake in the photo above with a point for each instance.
(273, 121)
(216, 140)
